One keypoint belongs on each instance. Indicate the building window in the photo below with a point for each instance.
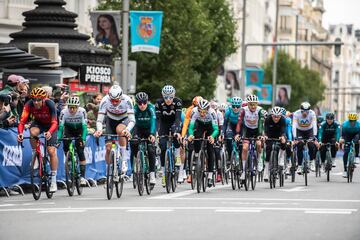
(285, 24)
(337, 74)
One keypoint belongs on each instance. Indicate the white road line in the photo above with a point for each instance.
(186, 193)
(238, 211)
(63, 211)
(7, 205)
(89, 198)
(295, 189)
(266, 199)
(150, 210)
(329, 212)
(179, 209)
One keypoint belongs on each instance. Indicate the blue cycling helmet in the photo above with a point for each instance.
(236, 101)
(283, 111)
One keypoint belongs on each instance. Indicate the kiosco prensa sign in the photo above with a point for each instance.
(95, 74)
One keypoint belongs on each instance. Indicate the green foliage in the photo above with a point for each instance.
(306, 84)
(196, 37)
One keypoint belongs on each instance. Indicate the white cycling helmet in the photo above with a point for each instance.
(204, 104)
(115, 92)
(214, 105)
(73, 101)
(168, 90)
(265, 113)
(252, 98)
(305, 106)
(223, 107)
(277, 111)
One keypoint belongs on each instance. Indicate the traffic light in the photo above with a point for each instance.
(337, 49)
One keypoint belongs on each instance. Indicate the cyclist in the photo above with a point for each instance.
(120, 120)
(188, 114)
(230, 121)
(145, 127)
(168, 118)
(250, 125)
(204, 120)
(222, 108)
(275, 128)
(44, 117)
(350, 132)
(285, 114)
(329, 132)
(305, 127)
(220, 122)
(73, 120)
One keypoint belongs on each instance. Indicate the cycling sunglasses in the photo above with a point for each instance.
(141, 103)
(168, 97)
(115, 101)
(235, 106)
(37, 99)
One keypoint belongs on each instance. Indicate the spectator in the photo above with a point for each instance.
(9, 116)
(96, 99)
(92, 116)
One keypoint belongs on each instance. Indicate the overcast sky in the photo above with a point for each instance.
(341, 11)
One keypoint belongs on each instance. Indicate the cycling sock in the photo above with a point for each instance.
(210, 175)
(123, 153)
(82, 170)
(163, 170)
(177, 152)
(244, 164)
(53, 176)
(181, 167)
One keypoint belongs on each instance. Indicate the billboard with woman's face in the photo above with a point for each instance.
(106, 27)
(282, 95)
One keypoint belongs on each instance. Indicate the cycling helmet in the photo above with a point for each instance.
(73, 101)
(305, 106)
(214, 105)
(283, 111)
(141, 97)
(223, 107)
(38, 93)
(252, 98)
(115, 92)
(168, 90)
(330, 116)
(320, 119)
(352, 116)
(244, 104)
(204, 104)
(236, 101)
(277, 111)
(265, 113)
(196, 100)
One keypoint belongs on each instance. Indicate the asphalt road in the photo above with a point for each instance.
(321, 210)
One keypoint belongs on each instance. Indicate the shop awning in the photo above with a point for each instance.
(12, 57)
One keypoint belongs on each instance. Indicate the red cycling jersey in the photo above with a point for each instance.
(46, 115)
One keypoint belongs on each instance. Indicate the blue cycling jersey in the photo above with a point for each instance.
(348, 130)
(288, 128)
(230, 118)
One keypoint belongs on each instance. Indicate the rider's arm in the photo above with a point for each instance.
(214, 123)
(24, 117)
(261, 123)
(288, 129)
(294, 126)
(226, 121)
(152, 120)
(178, 111)
(53, 115)
(321, 131)
(337, 133)
(84, 126)
(158, 114)
(314, 124)
(61, 125)
(239, 122)
(186, 121)
(192, 125)
(131, 116)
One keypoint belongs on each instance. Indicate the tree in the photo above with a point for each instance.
(196, 37)
(306, 84)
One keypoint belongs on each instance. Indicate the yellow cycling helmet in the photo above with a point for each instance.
(38, 93)
(352, 116)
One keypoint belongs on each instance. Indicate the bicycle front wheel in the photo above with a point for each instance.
(168, 171)
(69, 175)
(139, 172)
(36, 176)
(47, 177)
(110, 175)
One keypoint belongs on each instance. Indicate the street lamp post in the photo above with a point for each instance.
(243, 53)
(125, 45)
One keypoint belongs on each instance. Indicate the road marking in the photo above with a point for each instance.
(237, 211)
(268, 199)
(328, 212)
(63, 211)
(186, 193)
(337, 174)
(150, 210)
(139, 209)
(89, 198)
(7, 205)
(295, 189)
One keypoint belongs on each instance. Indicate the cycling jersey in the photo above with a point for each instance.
(328, 132)
(117, 112)
(348, 132)
(187, 120)
(288, 128)
(250, 120)
(73, 122)
(275, 130)
(220, 118)
(169, 114)
(230, 118)
(210, 119)
(304, 123)
(45, 115)
(146, 119)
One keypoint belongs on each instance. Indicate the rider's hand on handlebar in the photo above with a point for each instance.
(97, 133)
(237, 137)
(211, 139)
(190, 138)
(126, 133)
(221, 138)
(152, 138)
(282, 139)
(47, 135)
(20, 137)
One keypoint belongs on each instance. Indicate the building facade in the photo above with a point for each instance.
(344, 90)
(11, 17)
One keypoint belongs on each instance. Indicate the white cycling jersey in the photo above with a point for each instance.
(251, 119)
(220, 118)
(210, 117)
(73, 121)
(304, 123)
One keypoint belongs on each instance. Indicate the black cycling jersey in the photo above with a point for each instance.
(169, 114)
(275, 130)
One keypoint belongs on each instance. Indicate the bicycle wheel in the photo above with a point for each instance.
(69, 175)
(254, 174)
(271, 169)
(36, 176)
(119, 187)
(199, 173)
(328, 165)
(139, 172)
(110, 175)
(204, 171)
(167, 172)
(148, 186)
(318, 165)
(226, 167)
(305, 172)
(79, 188)
(281, 177)
(47, 177)
(192, 170)
(174, 177)
(233, 171)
